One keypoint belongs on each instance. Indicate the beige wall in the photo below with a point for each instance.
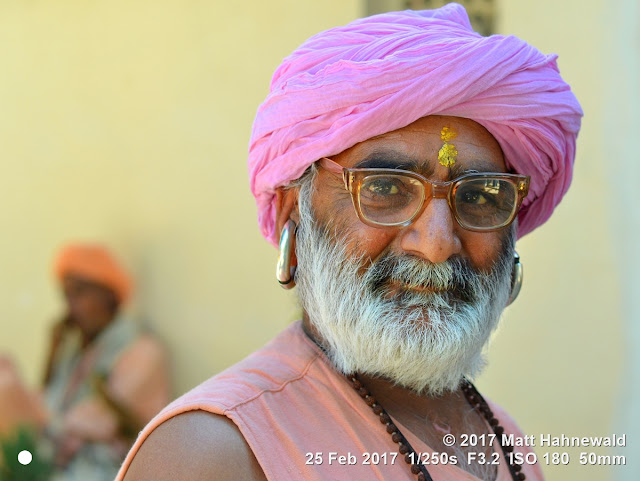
(128, 122)
(621, 117)
(557, 364)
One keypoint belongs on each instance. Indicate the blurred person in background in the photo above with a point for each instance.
(105, 378)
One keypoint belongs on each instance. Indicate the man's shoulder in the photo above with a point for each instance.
(227, 412)
(283, 360)
(207, 414)
(195, 445)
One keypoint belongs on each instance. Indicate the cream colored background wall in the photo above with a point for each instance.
(128, 122)
(557, 364)
(621, 117)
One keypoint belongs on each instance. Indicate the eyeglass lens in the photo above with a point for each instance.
(485, 203)
(389, 199)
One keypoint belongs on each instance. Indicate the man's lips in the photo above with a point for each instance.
(402, 286)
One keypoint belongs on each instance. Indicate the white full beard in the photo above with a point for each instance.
(424, 341)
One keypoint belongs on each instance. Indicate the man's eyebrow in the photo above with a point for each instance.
(392, 160)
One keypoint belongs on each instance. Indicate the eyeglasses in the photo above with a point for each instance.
(480, 202)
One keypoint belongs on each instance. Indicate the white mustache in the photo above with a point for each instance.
(453, 275)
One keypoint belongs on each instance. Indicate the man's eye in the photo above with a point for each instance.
(382, 187)
(474, 197)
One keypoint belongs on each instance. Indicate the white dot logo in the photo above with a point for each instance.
(24, 457)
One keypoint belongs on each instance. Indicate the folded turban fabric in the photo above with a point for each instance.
(381, 73)
(93, 263)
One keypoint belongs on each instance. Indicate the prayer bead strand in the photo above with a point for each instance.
(475, 400)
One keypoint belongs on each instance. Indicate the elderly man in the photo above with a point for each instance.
(397, 159)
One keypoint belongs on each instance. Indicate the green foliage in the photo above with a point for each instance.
(24, 438)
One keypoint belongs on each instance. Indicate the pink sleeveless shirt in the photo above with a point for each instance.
(303, 420)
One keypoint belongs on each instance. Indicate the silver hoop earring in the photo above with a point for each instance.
(516, 278)
(284, 270)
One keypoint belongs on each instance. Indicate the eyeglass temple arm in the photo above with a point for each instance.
(335, 168)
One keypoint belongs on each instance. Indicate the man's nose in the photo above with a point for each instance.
(433, 235)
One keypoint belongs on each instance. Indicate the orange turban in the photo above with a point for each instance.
(96, 264)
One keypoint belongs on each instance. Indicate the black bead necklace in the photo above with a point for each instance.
(475, 400)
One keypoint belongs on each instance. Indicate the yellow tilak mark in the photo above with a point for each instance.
(447, 134)
(448, 153)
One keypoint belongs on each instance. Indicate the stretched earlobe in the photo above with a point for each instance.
(516, 278)
(285, 272)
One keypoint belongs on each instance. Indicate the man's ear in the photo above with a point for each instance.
(286, 207)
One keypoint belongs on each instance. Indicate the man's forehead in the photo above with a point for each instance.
(419, 146)
(432, 124)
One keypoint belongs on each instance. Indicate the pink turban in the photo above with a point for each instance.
(381, 73)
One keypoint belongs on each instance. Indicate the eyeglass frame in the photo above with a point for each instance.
(353, 177)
